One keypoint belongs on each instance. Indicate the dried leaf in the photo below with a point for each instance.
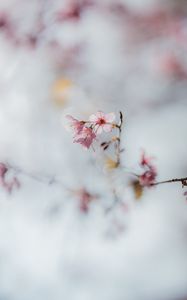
(137, 188)
(111, 164)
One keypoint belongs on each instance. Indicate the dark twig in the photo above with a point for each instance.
(45, 179)
(118, 147)
(182, 180)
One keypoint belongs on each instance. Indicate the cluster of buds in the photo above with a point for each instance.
(85, 132)
(84, 198)
(7, 185)
(148, 177)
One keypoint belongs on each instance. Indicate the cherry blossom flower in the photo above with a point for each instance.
(8, 186)
(85, 137)
(148, 178)
(172, 67)
(73, 11)
(85, 131)
(145, 160)
(3, 170)
(14, 183)
(84, 198)
(75, 124)
(102, 122)
(150, 173)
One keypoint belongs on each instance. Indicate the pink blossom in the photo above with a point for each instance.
(75, 124)
(149, 175)
(7, 185)
(102, 122)
(145, 160)
(85, 137)
(84, 199)
(14, 183)
(3, 170)
(171, 66)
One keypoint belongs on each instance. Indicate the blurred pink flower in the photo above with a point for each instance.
(148, 177)
(102, 122)
(171, 66)
(74, 10)
(3, 170)
(75, 124)
(8, 186)
(84, 198)
(150, 173)
(85, 137)
(145, 160)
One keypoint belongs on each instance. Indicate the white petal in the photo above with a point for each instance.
(93, 118)
(110, 117)
(100, 114)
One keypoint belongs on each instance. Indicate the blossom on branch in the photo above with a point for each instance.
(7, 185)
(85, 131)
(85, 137)
(149, 175)
(76, 125)
(85, 198)
(102, 122)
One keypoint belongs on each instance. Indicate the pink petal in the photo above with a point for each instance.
(85, 138)
(100, 115)
(93, 118)
(70, 118)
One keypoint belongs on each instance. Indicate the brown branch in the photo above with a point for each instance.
(182, 180)
(118, 152)
(45, 179)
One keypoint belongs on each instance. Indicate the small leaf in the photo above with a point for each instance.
(137, 188)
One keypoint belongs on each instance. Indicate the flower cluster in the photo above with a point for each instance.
(7, 185)
(85, 132)
(85, 198)
(149, 175)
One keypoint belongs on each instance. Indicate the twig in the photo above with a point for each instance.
(182, 180)
(118, 150)
(45, 179)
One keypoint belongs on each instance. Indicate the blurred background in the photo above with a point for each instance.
(80, 56)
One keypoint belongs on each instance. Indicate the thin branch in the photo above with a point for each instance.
(45, 179)
(182, 180)
(118, 152)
